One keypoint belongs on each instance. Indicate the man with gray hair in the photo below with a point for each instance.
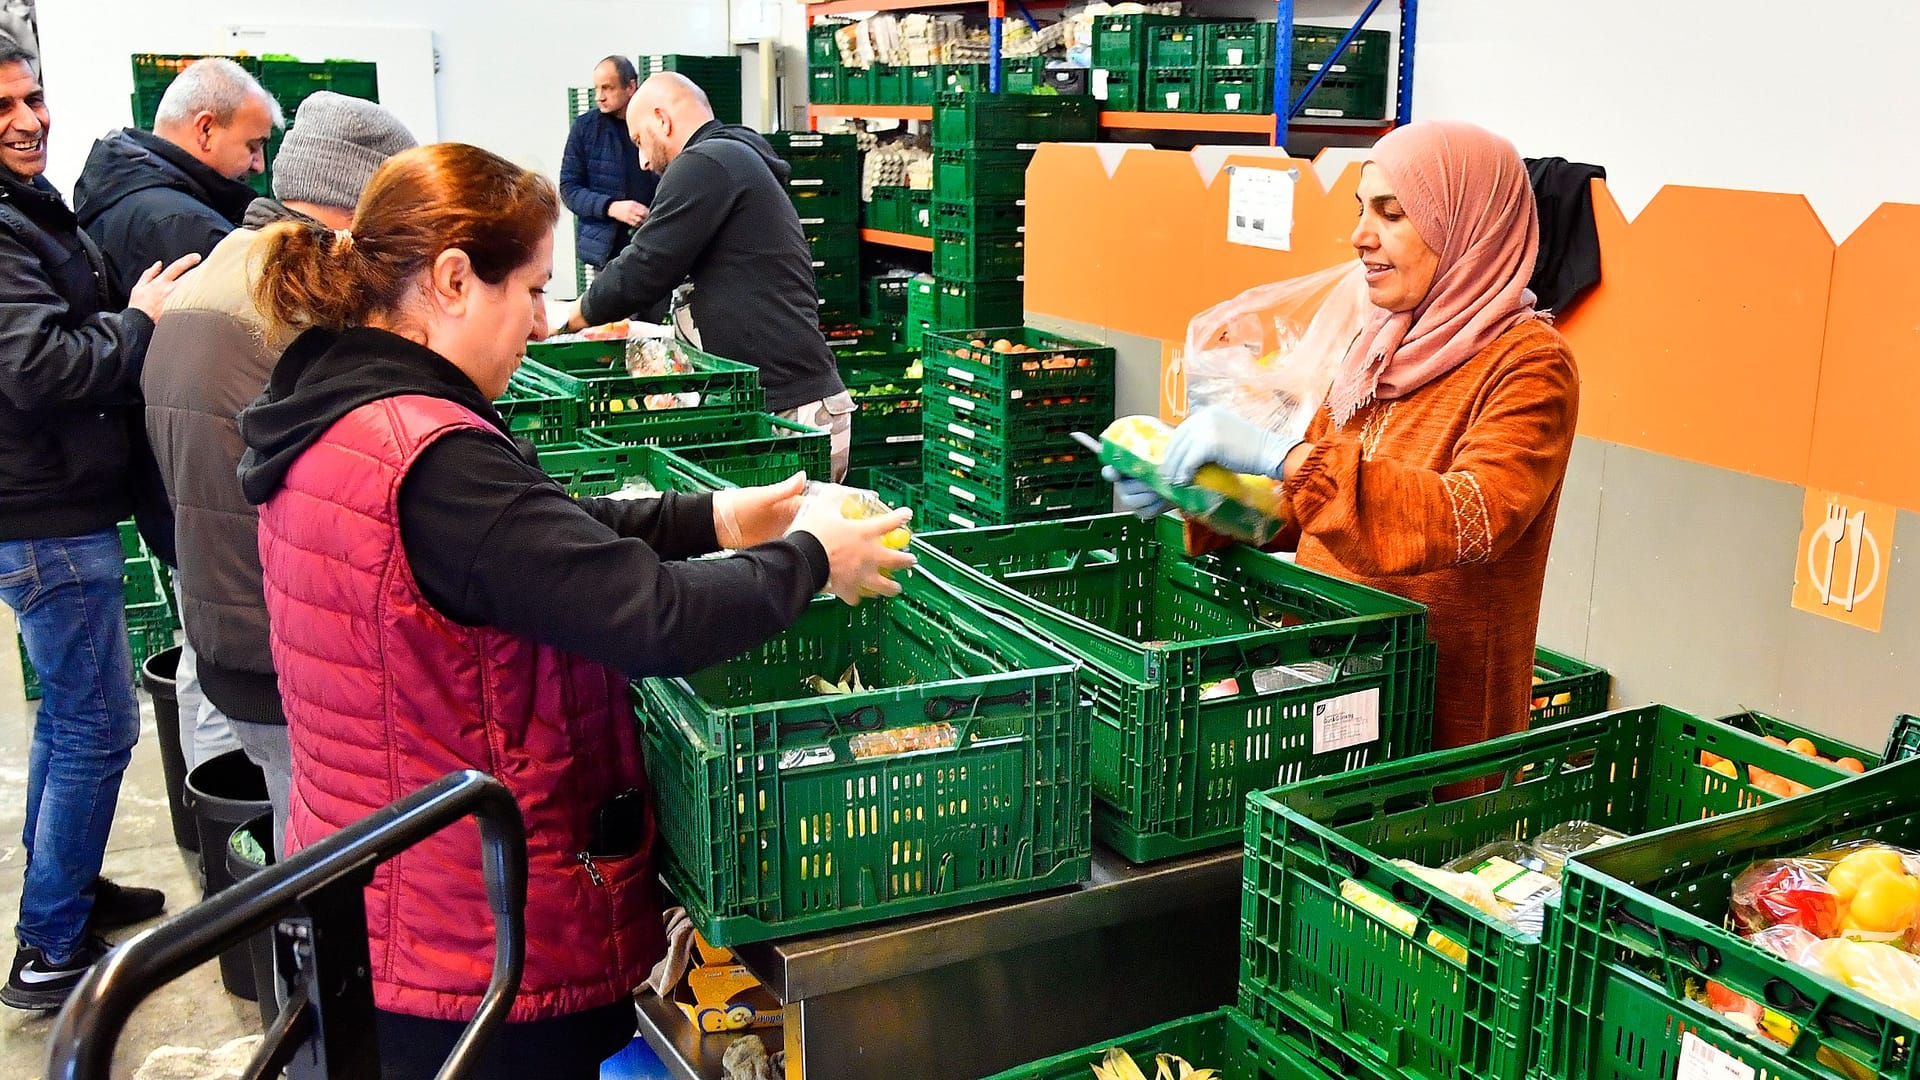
(211, 355)
(149, 197)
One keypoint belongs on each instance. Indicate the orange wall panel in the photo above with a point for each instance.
(1866, 432)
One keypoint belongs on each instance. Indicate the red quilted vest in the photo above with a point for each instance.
(384, 695)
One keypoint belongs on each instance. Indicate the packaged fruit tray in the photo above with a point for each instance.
(1227, 1041)
(1647, 952)
(1804, 740)
(958, 775)
(595, 372)
(1432, 985)
(1011, 362)
(1212, 676)
(1565, 688)
(748, 449)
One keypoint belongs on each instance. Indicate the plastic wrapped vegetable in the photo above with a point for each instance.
(1233, 504)
(1785, 892)
(1882, 972)
(1269, 354)
(858, 504)
(1567, 839)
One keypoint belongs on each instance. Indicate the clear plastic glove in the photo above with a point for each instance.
(1135, 495)
(1220, 437)
(858, 557)
(744, 517)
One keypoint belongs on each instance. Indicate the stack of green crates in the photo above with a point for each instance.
(1167, 63)
(151, 619)
(886, 298)
(719, 76)
(883, 377)
(981, 145)
(999, 424)
(923, 298)
(287, 80)
(825, 188)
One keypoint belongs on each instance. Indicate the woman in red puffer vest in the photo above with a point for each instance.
(438, 603)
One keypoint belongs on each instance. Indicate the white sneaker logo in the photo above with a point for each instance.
(32, 976)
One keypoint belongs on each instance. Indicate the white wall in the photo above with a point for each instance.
(1717, 93)
(503, 69)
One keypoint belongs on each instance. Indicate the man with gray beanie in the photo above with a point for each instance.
(211, 355)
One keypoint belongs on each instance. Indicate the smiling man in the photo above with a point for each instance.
(69, 395)
(149, 197)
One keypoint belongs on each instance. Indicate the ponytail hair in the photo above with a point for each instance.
(420, 203)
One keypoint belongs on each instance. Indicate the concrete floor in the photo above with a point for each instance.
(193, 1011)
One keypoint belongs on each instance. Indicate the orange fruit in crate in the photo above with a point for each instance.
(1805, 746)
(1725, 768)
(1852, 765)
(1710, 759)
(1776, 740)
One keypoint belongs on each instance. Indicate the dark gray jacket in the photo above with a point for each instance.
(145, 200)
(211, 356)
(69, 373)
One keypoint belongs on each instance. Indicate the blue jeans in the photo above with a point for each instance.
(73, 618)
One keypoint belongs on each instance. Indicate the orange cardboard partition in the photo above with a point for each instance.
(1727, 329)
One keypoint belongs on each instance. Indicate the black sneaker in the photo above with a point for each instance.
(122, 905)
(37, 985)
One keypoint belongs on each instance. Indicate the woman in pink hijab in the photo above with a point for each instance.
(1435, 470)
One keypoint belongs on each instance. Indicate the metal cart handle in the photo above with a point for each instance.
(328, 877)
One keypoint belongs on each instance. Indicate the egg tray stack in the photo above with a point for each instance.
(825, 188)
(982, 144)
(998, 425)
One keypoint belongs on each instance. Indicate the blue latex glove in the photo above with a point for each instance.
(1135, 495)
(1220, 437)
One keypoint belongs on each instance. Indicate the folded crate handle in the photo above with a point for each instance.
(946, 708)
(864, 718)
(1782, 994)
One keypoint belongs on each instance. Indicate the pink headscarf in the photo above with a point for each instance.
(1466, 191)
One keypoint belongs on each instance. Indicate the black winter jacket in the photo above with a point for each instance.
(722, 216)
(145, 200)
(69, 373)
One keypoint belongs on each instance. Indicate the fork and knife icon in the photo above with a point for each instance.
(1839, 527)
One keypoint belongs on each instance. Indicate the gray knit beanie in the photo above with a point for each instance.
(333, 148)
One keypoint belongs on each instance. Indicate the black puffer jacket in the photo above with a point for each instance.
(69, 373)
(145, 200)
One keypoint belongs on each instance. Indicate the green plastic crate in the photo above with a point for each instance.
(590, 471)
(980, 215)
(719, 76)
(1826, 745)
(1903, 741)
(595, 373)
(1309, 956)
(1160, 632)
(1022, 75)
(1023, 487)
(961, 304)
(1370, 54)
(538, 411)
(1120, 42)
(848, 338)
(1566, 688)
(887, 208)
(131, 546)
(834, 159)
(29, 678)
(1173, 90)
(1245, 90)
(893, 452)
(1125, 88)
(1640, 920)
(746, 449)
(980, 174)
(1227, 1040)
(827, 85)
(857, 86)
(1343, 98)
(1239, 45)
(889, 85)
(986, 121)
(1061, 460)
(951, 356)
(822, 49)
(959, 255)
(923, 84)
(897, 485)
(141, 579)
(1176, 45)
(1025, 426)
(974, 508)
(886, 298)
(920, 212)
(819, 201)
(885, 407)
(784, 812)
(960, 79)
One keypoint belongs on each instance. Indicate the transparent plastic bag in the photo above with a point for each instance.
(1570, 838)
(1269, 355)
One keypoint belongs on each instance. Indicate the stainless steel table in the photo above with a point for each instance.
(965, 993)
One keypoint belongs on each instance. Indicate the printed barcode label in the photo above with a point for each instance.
(1347, 720)
(1699, 1061)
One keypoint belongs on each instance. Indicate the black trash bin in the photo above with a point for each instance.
(224, 793)
(241, 866)
(157, 676)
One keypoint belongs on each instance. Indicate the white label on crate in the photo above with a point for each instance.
(905, 438)
(1700, 1061)
(963, 432)
(813, 221)
(1099, 84)
(960, 402)
(1233, 102)
(802, 759)
(962, 459)
(1329, 114)
(1027, 146)
(965, 523)
(1235, 57)
(1173, 101)
(818, 263)
(1016, 395)
(1348, 720)
(963, 376)
(805, 183)
(962, 493)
